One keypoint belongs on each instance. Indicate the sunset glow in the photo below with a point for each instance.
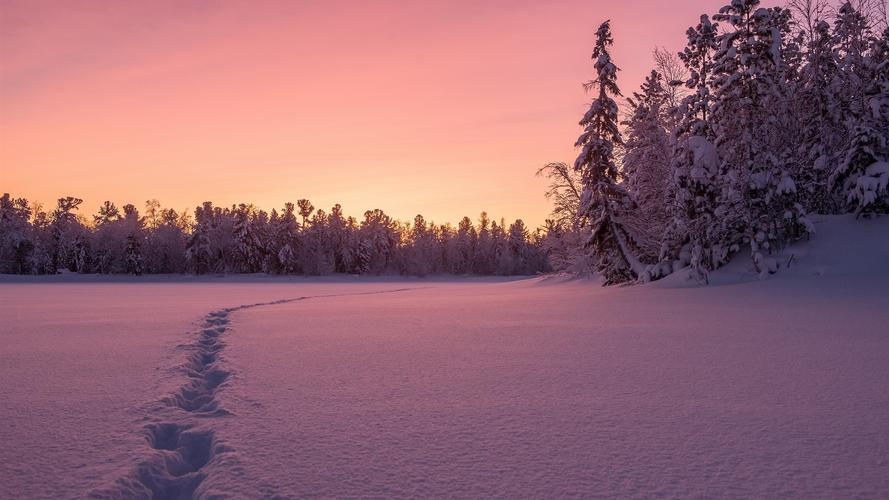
(444, 249)
(444, 109)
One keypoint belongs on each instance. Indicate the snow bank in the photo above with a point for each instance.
(843, 249)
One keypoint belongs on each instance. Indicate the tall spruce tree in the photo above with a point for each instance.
(604, 202)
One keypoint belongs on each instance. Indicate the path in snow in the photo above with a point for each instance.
(185, 445)
(86, 363)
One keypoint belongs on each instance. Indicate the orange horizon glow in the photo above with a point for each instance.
(443, 108)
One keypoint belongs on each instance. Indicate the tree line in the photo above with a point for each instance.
(767, 116)
(298, 239)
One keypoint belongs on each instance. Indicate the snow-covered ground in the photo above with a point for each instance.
(542, 387)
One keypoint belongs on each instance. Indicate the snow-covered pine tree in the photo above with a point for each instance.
(417, 259)
(377, 242)
(248, 247)
(285, 236)
(862, 177)
(64, 231)
(604, 202)
(484, 252)
(105, 236)
(286, 257)
(260, 222)
(197, 248)
(317, 255)
(16, 242)
(694, 183)
(340, 234)
(646, 163)
(464, 245)
(518, 248)
(851, 36)
(134, 229)
(108, 212)
(758, 203)
(305, 210)
(133, 251)
(165, 244)
(81, 253)
(818, 120)
(41, 258)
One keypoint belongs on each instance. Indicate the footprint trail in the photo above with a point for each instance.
(183, 443)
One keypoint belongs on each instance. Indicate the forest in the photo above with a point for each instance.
(243, 239)
(767, 117)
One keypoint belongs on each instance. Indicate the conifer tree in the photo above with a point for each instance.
(16, 238)
(197, 249)
(134, 230)
(285, 236)
(693, 187)
(646, 163)
(818, 120)
(862, 177)
(248, 246)
(758, 203)
(604, 202)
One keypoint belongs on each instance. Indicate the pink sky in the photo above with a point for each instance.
(439, 108)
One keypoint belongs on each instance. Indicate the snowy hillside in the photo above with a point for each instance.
(842, 250)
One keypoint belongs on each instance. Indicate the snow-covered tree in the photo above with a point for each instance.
(862, 176)
(819, 121)
(604, 202)
(133, 250)
(518, 248)
(165, 244)
(198, 252)
(134, 228)
(65, 231)
(758, 204)
(565, 235)
(419, 254)
(16, 239)
(694, 179)
(461, 248)
(248, 245)
(341, 235)
(646, 163)
(377, 242)
(305, 210)
(317, 255)
(284, 235)
(108, 213)
(484, 254)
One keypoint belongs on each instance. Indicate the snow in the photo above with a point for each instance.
(785, 185)
(705, 160)
(540, 387)
(869, 186)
